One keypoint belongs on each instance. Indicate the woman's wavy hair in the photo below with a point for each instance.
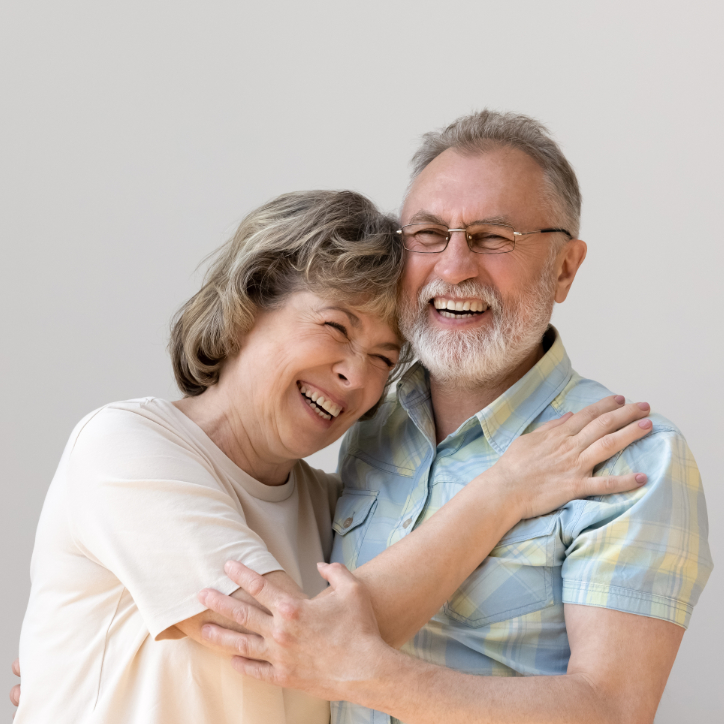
(333, 243)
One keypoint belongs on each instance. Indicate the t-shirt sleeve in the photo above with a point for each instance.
(146, 506)
(644, 552)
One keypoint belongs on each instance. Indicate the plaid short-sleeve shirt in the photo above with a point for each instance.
(644, 552)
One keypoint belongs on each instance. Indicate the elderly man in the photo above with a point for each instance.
(585, 607)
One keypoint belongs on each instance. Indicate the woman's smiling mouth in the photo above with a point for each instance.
(325, 408)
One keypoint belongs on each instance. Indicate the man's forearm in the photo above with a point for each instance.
(416, 692)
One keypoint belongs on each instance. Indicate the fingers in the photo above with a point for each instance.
(608, 445)
(555, 422)
(16, 667)
(588, 414)
(260, 670)
(15, 695)
(609, 422)
(255, 585)
(231, 642)
(244, 614)
(611, 484)
(336, 574)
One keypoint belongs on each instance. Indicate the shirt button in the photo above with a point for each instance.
(347, 523)
(407, 523)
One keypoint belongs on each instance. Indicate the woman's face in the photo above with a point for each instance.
(307, 371)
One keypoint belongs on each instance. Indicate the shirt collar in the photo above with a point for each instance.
(504, 419)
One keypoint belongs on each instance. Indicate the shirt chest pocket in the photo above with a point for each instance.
(515, 579)
(351, 519)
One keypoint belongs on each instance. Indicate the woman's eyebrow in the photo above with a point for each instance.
(353, 318)
(390, 345)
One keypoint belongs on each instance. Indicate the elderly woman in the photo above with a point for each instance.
(291, 339)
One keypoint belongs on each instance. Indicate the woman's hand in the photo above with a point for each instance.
(15, 691)
(547, 468)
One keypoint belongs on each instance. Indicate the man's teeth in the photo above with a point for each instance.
(319, 401)
(454, 308)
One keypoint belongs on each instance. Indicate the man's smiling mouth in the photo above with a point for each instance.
(326, 409)
(458, 308)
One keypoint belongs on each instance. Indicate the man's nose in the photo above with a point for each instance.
(457, 263)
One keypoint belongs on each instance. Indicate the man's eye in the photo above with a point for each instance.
(430, 234)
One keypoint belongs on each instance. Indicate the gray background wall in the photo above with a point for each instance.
(135, 135)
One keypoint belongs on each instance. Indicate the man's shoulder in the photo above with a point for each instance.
(581, 392)
(387, 421)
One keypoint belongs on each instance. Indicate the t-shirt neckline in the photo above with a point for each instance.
(270, 493)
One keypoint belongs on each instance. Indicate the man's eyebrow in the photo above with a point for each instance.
(427, 217)
(353, 318)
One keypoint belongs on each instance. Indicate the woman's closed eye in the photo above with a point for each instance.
(339, 327)
(386, 360)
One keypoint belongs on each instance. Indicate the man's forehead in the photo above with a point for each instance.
(480, 186)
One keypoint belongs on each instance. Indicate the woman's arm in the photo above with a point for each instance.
(541, 471)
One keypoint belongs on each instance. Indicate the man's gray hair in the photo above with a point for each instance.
(486, 130)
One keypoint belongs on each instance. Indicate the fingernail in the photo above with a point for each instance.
(229, 566)
(641, 478)
(644, 406)
(645, 424)
(206, 632)
(202, 596)
(620, 399)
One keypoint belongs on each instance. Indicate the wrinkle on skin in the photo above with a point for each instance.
(256, 413)
(457, 189)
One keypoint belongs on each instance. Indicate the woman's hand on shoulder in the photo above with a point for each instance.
(547, 468)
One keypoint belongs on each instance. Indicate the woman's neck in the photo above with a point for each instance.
(213, 412)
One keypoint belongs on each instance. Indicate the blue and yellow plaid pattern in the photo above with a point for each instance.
(643, 552)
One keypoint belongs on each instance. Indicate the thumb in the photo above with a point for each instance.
(335, 574)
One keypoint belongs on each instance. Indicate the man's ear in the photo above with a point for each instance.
(569, 260)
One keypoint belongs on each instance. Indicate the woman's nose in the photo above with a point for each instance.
(352, 371)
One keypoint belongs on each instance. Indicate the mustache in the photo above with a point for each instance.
(466, 289)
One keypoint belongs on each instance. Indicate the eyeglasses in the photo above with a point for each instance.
(481, 238)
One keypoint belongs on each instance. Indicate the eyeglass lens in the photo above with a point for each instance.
(482, 238)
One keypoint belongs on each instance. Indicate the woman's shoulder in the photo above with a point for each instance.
(317, 482)
(131, 429)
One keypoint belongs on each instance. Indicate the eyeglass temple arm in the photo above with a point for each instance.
(542, 231)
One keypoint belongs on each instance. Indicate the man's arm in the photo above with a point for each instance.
(617, 672)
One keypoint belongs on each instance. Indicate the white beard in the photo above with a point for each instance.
(484, 355)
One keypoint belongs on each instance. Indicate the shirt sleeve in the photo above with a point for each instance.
(644, 552)
(147, 506)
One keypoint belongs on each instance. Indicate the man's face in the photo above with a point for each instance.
(515, 291)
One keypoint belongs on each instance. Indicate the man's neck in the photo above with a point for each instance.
(452, 405)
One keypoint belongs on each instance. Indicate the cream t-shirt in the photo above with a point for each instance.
(142, 513)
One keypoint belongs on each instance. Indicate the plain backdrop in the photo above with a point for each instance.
(134, 136)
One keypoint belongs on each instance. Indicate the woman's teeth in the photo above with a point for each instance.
(454, 309)
(317, 401)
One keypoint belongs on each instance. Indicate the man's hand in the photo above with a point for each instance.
(322, 646)
(15, 691)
